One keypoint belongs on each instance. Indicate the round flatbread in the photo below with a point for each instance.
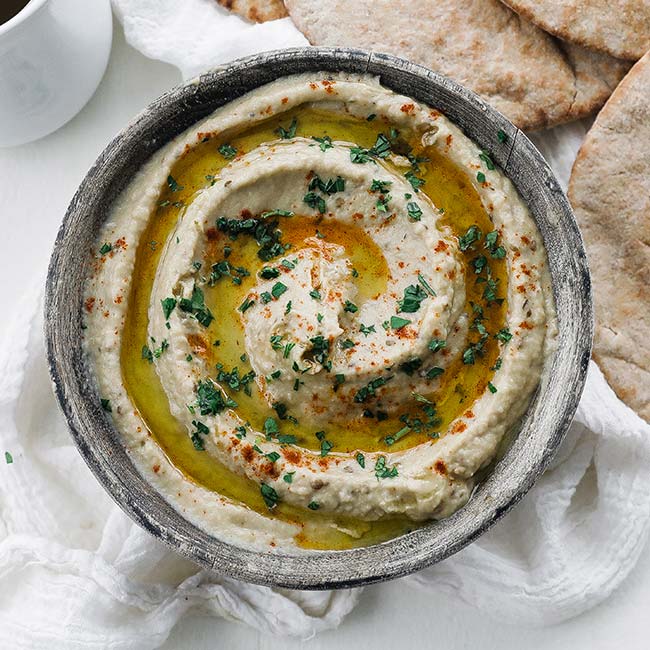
(610, 192)
(534, 79)
(620, 28)
(257, 11)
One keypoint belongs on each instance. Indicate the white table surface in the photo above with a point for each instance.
(36, 183)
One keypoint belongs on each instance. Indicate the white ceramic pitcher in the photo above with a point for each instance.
(53, 54)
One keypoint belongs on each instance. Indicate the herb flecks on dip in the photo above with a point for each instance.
(315, 315)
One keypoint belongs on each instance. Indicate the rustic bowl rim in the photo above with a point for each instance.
(543, 426)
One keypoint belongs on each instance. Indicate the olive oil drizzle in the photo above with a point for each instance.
(450, 190)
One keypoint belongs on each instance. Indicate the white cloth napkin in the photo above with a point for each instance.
(76, 573)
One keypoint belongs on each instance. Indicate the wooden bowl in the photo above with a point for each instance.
(542, 428)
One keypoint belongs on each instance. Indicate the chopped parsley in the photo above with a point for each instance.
(491, 243)
(149, 354)
(269, 495)
(315, 202)
(269, 272)
(234, 380)
(361, 459)
(315, 294)
(264, 232)
(480, 177)
(382, 203)
(350, 307)
(416, 182)
(278, 289)
(210, 399)
(412, 300)
(382, 471)
(325, 142)
(485, 157)
(288, 133)
(227, 151)
(383, 187)
(224, 269)
(168, 305)
(501, 136)
(197, 307)
(472, 235)
(434, 372)
(414, 211)
(271, 427)
(288, 477)
(503, 335)
(8, 458)
(312, 505)
(490, 291)
(492, 387)
(370, 389)
(359, 155)
(366, 329)
(106, 405)
(397, 323)
(200, 430)
(469, 356)
(247, 304)
(381, 148)
(173, 185)
(437, 344)
(319, 351)
(106, 248)
(479, 263)
(325, 446)
(329, 187)
(426, 285)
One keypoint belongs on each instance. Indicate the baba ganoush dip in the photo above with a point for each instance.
(314, 316)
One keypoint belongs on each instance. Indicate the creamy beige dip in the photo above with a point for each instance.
(315, 315)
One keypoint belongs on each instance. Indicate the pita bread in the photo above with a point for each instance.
(620, 28)
(534, 79)
(610, 192)
(257, 11)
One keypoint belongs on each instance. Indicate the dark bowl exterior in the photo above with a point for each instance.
(542, 428)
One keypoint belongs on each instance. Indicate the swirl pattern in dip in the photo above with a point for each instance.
(315, 315)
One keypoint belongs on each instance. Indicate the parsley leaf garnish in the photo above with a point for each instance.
(316, 202)
(472, 235)
(369, 390)
(416, 183)
(325, 142)
(269, 495)
(413, 297)
(397, 323)
(382, 471)
(227, 151)
(210, 400)
(197, 307)
(168, 305)
(173, 185)
(414, 211)
(290, 132)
